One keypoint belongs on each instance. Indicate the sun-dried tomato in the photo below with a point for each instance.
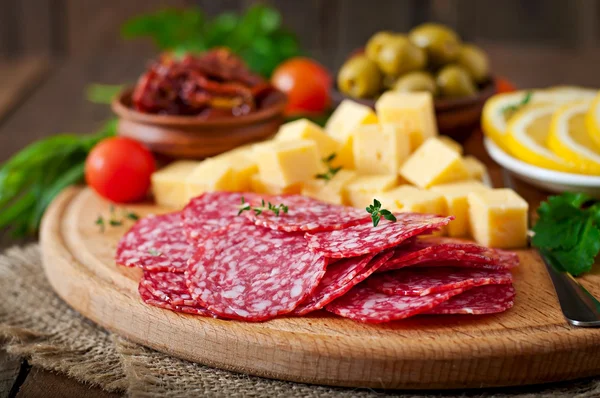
(216, 80)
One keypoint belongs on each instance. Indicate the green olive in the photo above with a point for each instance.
(475, 61)
(454, 81)
(398, 55)
(416, 81)
(440, 42)
(359, 77)
(376, 42)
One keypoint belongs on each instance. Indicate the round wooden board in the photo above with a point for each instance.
(529, 344)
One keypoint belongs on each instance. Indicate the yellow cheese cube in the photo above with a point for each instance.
(407, 198)
(455, 146)
(455, 197)
(344, 120)
(434, 163)
(210, 175)
(304, 129)
(364, 189)
(332, 191)
(380, 148)
(259, 186)
(475, 167)
(498, 218)
(169, 183)
(412, 111)
(242, 166)
(285, 163)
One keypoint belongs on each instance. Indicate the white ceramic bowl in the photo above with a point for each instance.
(550, 180)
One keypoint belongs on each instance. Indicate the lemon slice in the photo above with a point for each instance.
(592, 120)
(569, 139)
(528, 132)
(496, 111)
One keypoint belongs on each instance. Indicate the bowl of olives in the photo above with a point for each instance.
(431, 57)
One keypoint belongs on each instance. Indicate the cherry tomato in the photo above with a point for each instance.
(503, 85)
(306, 83)
(119, 169)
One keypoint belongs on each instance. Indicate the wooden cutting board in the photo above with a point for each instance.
(530, 343)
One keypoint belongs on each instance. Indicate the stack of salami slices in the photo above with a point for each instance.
(255, 257)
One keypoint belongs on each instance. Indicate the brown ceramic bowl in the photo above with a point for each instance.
(456, 117)
(196, 138)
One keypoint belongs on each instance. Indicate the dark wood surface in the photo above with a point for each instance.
(55, 103)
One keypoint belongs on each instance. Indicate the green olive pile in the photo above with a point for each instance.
(430, 58)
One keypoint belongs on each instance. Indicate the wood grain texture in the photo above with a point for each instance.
(17, 78)
(9, 371)
(529, 344)
(41, 383)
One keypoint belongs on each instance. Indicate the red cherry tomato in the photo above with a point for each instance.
(306, 83)
(119, 169)
(503, 85)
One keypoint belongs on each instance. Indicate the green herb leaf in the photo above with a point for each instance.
(510, 109)
(568, 231)
(100, 222)
(376, 218)
(377, 212)
(132, 216)
(115, 223)
(154, 252)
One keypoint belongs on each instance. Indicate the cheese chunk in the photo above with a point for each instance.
(498, 218)
(455, 198)
(259, 186)
(434, 163)
(412, 111)
(285, 163)
(380, 148)
(344, 120)
(242, 166)
(455, 146)
(304, 129)
(210, 175)
(407, 198)
(475, 167)
(364, 189)
(332, 191)
(169, 183)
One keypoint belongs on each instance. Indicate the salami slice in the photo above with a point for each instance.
(306, 214)
(169, 287)
(424, 281)
(252, 273)
(441, 251)
(363, 238)
(481, 300)
(150, 299)
(365, 304)
(211, 212)
(155, 243)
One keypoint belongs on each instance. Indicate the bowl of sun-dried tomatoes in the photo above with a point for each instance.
(197, 106)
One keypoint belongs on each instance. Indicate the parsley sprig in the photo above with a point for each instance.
(377, 212)
(331, 171)
(264, 206)
(510, 109)
(568, 231)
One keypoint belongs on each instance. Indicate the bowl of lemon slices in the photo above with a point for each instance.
(549, 138)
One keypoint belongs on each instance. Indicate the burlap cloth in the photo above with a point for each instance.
(37, 325)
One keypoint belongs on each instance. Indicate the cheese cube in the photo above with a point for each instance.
(332, 191)
(285, 163)
(304, 129)
(169, 183)
(364, 189)
(380, 148)
(498, 218)
(407, 198)
(412, 111)
(210, 175)
(242, 167)
(475, 167)
(455, 197)
(455, 146)
(434, 163)
(344, 120)
(259, 186)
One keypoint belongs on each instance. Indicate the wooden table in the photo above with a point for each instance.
(39, 98)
